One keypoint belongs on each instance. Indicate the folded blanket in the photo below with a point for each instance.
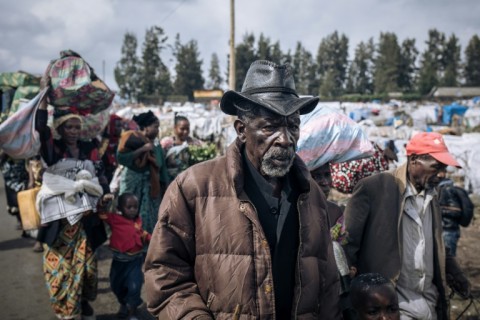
(69, 189)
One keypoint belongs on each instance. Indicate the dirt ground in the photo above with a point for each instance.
(469, 258)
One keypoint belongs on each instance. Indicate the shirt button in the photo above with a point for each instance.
(242, 207)
(268, 288)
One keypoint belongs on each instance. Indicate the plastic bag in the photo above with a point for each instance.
(327, 135)
(18, 137)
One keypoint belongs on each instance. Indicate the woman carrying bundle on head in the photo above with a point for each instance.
(69, 193)
(145, 174)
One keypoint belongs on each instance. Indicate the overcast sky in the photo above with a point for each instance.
(32, 32)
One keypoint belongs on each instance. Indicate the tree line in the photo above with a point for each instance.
(377, 68)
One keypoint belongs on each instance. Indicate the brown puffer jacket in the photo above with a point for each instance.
(209, 257)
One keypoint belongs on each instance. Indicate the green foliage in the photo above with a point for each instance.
(451, 62)
(214, 74)
(201, 153)
(431, 62)
(407, 68)
(245, 55)
(472, 62)
(127, 69)
(387, 62)
(304, 71)
(155, 77)
(332, 62)
(188, 68)
(360, 74)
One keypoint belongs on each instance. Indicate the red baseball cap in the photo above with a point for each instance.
(431, 143)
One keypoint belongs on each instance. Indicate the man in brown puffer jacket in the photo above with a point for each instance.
(245, 236)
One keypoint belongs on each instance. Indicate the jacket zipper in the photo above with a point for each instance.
(255, 273)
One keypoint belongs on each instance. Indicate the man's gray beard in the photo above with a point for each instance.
(268, 167)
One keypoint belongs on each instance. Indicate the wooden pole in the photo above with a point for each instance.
(232, 69)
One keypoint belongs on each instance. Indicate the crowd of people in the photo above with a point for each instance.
(249, 234)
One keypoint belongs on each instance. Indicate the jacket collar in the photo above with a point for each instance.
(400, 175)
(235, 169)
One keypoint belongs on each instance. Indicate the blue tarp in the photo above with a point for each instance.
(452, 109)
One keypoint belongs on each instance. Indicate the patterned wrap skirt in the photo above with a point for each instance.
(70, 270)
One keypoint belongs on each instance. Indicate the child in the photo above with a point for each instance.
(374, 297)
(127, 242)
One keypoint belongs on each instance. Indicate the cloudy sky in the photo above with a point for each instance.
(32, 32)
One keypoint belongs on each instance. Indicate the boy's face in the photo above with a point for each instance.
(380, 303)
(130, 208)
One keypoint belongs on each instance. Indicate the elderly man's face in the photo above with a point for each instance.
(424, 171)
(270, 141)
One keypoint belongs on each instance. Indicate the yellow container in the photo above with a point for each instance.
(28, 211)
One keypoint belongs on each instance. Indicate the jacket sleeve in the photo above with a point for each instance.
(330, 308)
(356, 216)
(171, 290)
(467, 207)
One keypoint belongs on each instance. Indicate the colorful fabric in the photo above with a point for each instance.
(138, 183)
(25, 92)
(70, 270)
(346, 175)
(18, 79)
(327, 135)
(74, 83)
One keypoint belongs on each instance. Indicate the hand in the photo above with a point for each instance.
(106, 199)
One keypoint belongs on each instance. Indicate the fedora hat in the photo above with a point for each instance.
(271, 86)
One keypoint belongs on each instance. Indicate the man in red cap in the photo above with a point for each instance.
(394, 227)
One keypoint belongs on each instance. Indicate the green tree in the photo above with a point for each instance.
(332, 62)
(155, 81)
(387, 61)
(361, 69)
(472, 62)
(407, 68)
(451, 62)
(126, 71)
(431, 64)
(188, 68)
(304, 71)
(214, 74)
(245, 55)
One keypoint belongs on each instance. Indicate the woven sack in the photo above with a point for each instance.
(75, 84)
(28, 210)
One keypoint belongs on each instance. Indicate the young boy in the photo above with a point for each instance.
(374, 298)
(127, 242)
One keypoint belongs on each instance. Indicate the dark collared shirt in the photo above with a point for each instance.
(274, 217)
(280, 223)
